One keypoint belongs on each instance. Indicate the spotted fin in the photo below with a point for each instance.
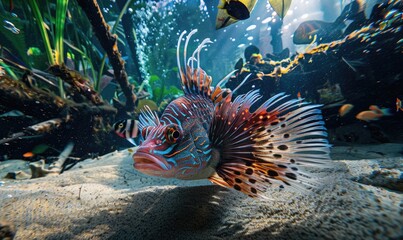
(266, 147)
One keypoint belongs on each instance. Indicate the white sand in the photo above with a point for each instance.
(118, 203)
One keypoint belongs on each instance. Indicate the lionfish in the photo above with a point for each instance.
(206, 134)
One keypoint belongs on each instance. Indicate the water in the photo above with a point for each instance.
(66, 90)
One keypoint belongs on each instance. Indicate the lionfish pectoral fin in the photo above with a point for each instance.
(266, 147)
(252, 179)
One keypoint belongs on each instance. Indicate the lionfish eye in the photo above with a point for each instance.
(172, 134)
(120, 125)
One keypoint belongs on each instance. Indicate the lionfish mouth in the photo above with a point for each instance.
(148, 162)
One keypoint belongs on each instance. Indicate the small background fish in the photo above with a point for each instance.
(127, 129)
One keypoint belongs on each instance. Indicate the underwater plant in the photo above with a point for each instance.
(161, 91)
(55, 55)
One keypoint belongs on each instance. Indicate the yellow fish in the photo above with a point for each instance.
(230, 11)
(280, 6)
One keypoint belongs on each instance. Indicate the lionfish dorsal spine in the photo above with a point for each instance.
(194, 79)
(148, 118)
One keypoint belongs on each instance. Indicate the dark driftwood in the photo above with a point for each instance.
(32, 101)
(128, 27)
(109, 44)
(80, 84)
(85, 123)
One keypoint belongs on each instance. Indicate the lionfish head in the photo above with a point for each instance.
(158, 152)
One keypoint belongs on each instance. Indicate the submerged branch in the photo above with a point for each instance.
(35, 130)
(44, 105)
(109, 43)
(81, 84)
(38, 169)
(57, 166)
(130, 33)
(29, 100)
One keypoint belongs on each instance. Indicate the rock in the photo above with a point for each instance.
(18, 175)
(12, 166)
(387, 173)
(367, 151)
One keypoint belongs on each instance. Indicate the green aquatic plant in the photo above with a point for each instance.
(10, 72)
(80, 32)
(61, 9)
(45, 37)
(160, 90)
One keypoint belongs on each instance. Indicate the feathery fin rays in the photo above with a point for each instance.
(266, 147)
(148, 118)
(194, 80)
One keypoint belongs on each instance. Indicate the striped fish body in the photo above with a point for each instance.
(209, 134)
(127, 129)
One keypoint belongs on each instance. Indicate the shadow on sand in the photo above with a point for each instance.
(179, 213)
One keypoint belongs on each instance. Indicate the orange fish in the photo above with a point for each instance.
(398, 105)
(368, 116)
(383, 111)
(299, 98)
(375, 108)
(374, 114)
(346, 108)
(28, 154)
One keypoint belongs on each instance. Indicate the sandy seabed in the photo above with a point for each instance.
(106, 198)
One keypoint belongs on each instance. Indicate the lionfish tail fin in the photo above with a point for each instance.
(267, 147)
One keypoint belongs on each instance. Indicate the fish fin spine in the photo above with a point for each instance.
(193, 78)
